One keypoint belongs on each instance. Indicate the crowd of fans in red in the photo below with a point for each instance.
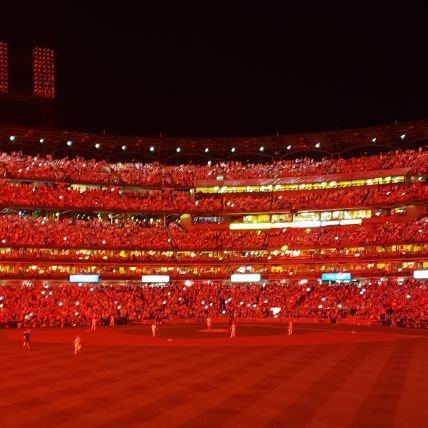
(79, 170)
(53, 196)
(26, 231)
(76, 255)
(395, 302)
(390, 302)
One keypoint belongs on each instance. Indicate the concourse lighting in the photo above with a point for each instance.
(42, 140)
(289, 147)
(262, 149)
(152, 149)
(250, 226)
(318, 145)
(69, 143)
(97, 145)
(123, 148)
(403, 136)
(293, 224)
(12, 138)
(233, 149)
(374, 140)
(207, 149)
(178, 149)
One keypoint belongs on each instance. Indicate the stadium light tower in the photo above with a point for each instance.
(43, 73)
(4, 69)
(27, 85)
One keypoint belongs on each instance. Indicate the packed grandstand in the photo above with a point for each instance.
(289, 220)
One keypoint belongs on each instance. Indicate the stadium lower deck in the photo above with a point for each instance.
(187, 376)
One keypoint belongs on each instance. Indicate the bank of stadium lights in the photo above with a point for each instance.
(69, 143)
(43, 72)
(4, 73)
(403, 136)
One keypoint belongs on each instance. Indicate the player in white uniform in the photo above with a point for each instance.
(290, 328)
(233, 330)
(77, 345)
(154, 329)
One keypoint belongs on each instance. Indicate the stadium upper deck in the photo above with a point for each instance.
(287, 217)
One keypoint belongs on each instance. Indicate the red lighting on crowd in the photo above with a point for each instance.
(4, 75)
(43, 72)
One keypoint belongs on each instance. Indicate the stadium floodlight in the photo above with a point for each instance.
(4, 72)
(420, 274)
(42, 140)
(84, 277)
(207, 149)
(43, 72)
(245, 277)
(403, 136)
(318, 145)
(178, 149)
(69, 143)
(159, 279)
(12, 138)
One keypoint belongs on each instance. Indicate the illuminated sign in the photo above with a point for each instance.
(420, 274)
(160, 279)
(338, 276)
(83, 277)
(245, 277)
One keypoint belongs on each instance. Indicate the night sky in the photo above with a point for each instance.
(207, 71)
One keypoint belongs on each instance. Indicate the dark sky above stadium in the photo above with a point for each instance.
(208, 70)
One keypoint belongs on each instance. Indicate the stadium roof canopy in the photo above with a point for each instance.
(171, 150)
